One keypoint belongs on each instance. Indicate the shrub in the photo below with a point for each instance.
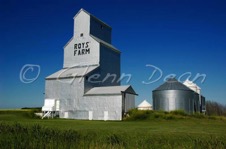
(135, 114)
(198, 115)
(169, 117)
(159, 114)
(178, 112)
(31, 114)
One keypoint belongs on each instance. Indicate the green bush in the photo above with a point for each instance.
(198, 115)
(178, 112)
(135, 114)
(169, 117)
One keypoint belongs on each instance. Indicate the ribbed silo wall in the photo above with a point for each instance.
(196, 102)
(169, 100)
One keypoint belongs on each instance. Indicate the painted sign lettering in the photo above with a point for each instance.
(81, 48)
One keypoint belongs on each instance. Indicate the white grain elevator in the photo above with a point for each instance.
(88, 85)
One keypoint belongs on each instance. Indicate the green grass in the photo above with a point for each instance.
(181, 131)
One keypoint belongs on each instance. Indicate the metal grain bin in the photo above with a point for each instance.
(173, 95)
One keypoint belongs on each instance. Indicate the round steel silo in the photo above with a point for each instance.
(173, 95)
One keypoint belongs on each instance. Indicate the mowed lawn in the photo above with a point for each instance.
(183, 133)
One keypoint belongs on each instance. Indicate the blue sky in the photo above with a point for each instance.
(175, 36)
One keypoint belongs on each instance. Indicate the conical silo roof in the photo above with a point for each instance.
(172, 84)
(144, 104)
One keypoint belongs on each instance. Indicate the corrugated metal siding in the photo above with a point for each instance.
(78, 106)
(69, 94)
(81, 23)
(169, 100)
(110, 64)
(100, 30)
(99, 104)
(196, 101)
(129, 102)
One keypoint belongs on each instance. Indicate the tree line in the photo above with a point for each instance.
(215, 108)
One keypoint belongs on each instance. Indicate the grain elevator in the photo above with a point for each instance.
(88, 85)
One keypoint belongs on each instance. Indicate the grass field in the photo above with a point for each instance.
(19, 126)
